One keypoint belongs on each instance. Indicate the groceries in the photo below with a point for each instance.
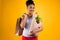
(36, 23)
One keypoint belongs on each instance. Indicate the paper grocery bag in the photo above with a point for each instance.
(18, 30)
(34, 25)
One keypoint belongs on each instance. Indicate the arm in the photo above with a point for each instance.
(39, 29)
(23, 22)
(36, 31)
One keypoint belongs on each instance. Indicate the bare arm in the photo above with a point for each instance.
(38, 29)
(23, 22)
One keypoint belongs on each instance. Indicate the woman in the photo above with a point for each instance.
(26, 22)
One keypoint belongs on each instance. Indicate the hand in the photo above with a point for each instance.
(32, 33)
(24, 16)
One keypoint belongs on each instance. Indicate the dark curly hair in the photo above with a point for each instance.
(28, 2)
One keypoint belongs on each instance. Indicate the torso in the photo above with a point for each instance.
(27, 27)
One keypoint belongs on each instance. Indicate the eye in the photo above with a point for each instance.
(30, 6)
(33, 7)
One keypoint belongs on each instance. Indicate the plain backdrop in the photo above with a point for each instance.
(48, 10)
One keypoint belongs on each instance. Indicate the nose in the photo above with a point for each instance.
(32, 9)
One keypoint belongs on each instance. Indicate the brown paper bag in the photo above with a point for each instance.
(19, 30)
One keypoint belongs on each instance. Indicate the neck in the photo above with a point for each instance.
(29, 15)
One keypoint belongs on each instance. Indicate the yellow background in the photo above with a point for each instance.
(48, 10)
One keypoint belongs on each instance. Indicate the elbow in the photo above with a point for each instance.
(41, 29)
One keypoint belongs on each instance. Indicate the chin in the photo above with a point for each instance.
(31, 13)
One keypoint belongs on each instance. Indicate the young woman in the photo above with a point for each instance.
(26, 22)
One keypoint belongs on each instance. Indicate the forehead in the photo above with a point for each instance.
(31, 5)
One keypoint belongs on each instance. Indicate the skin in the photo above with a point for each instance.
(30, 9)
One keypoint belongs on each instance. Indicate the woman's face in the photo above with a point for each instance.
(31, 8)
